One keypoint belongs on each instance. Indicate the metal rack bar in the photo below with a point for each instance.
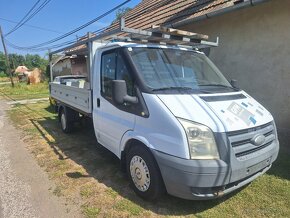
(157, 34)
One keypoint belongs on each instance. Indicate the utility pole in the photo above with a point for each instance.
(7, 58)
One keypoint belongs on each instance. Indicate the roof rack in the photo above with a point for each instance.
(158, 34)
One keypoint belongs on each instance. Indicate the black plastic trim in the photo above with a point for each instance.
(223, 97)
(243, 153)
(244, 131)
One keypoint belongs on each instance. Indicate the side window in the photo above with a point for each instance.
(108, 73)
(123, 74)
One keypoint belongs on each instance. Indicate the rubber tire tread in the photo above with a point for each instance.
(156, 188)
(69, 117)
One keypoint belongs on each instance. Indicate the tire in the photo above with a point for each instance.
(144, 173)
(66, 120)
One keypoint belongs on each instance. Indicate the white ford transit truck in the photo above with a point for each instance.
(167, 112)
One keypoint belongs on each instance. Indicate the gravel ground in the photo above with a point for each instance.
(24, 186)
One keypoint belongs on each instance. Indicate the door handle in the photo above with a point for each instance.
(98, 102)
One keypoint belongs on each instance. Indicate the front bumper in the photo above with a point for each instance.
(207, 179)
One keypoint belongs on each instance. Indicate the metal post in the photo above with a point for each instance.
(7, 58)
(90, 60)
(50, 65)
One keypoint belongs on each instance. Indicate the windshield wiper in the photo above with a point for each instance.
(220, 85)
(172, 88)
(180, 88)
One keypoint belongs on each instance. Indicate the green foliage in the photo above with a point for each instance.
(121, 12)
(33, 61)
(16, 60)
(29, 60)
(90, 211)
(2, 62)
(2, 74)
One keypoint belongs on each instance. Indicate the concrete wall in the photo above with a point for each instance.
(255, 50)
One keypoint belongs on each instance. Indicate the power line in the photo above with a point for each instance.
(69, 42)
(23, 18)
(76, 29)
(30, 17)
(32, 26)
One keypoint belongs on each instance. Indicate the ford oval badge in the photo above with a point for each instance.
(258, 140)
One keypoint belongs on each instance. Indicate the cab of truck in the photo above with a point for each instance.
(177, 123)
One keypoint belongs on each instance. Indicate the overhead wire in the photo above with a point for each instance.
(69, 42)
(32, 26)
(14, 28)
(76, 29)
(25, 20)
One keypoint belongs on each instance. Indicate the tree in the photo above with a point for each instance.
(33, 61)
(121, 12)
(2, 63)
(16, 60)
(29, 60)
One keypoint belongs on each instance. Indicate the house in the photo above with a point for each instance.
(70, 65)
(21, 72)
(254, 41)
(21, 69)
(30, 76)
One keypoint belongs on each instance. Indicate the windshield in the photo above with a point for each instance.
(163, 68)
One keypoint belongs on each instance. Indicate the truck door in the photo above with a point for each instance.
(110, 120)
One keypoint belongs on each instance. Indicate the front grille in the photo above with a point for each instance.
(241, 140)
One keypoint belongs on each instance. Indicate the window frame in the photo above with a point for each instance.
(110, 51)
(139, 109)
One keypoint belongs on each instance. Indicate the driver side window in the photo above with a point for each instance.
(113, 67)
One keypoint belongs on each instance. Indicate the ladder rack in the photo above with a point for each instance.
(158, 34)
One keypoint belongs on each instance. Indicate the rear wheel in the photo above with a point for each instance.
(66, 120)
(144, 173)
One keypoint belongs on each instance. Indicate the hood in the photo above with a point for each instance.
(221, 112)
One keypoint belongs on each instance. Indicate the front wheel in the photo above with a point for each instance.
(144, 173)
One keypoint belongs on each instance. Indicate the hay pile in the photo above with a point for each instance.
(34, 76)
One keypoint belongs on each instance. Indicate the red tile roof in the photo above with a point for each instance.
(165, 12)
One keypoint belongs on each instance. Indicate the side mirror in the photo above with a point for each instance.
(120, 95)
(234, 83)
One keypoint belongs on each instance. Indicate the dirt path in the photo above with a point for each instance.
(24, 186)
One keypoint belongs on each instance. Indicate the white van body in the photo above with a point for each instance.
(243, 131)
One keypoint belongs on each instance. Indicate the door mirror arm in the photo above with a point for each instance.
(130, 99)
(234, 83)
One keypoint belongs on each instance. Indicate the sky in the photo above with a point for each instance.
(60, 16)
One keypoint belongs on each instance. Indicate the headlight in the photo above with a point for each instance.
(200, 140)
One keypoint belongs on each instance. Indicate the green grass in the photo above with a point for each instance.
(90, 211)
(24, 91)
(88, 174)
(6, 79)
(86, 191)
(128, 206)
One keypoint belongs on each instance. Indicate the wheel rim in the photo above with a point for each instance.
(63, 121)
(140, 173)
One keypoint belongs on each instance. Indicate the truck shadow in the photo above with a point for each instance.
(281, 166)
(100, 164)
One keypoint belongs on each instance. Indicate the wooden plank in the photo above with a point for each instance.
(177, 32)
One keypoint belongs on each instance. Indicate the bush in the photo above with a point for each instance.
(2, 74)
